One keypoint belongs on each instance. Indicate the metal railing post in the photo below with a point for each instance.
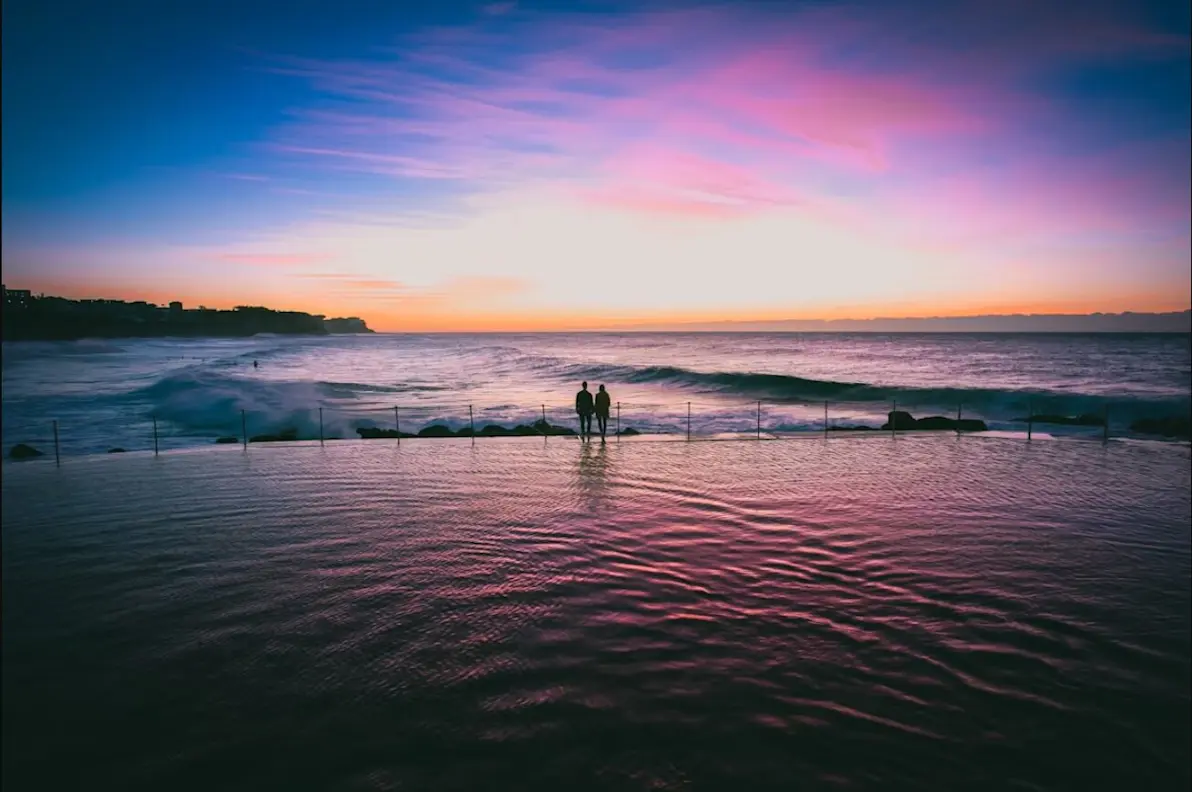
(154, 435)
(959, 413)
(618, 422)
(244, 429)
(1105, 433)
(397, 423)
(57, 455)
(472, 423)
(320, 426)
(894, 419)
(825, 419)
(759, 420)
(1030, 419)
(688, 420)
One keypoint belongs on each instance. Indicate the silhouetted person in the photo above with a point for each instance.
(254, 364)
(603, 403)
(583, 406)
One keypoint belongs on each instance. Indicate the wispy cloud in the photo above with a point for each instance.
(713, 111)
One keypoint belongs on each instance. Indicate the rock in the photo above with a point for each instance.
(372, 433)
(22, 451)
(543, 427)
(905, 421)
(465, 431)
(629, 431)
(227, 439)
(899, 419)
(493, 430)
(284, 436)
(1066, 420)
(116, 451)
(1171, 426)
(436, 430)
(521, 430)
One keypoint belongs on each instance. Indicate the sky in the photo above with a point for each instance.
(530, 166)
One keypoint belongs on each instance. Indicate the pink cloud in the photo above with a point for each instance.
(726, 112)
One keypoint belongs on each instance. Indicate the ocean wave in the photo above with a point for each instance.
(785, 388)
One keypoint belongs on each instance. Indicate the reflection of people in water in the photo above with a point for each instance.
(583, 407)
(593, 476)
(603, 402)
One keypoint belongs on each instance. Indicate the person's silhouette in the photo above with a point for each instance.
(603, 403)
(583, 407)
(254, 364)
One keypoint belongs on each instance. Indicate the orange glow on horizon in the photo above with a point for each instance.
(433, 315)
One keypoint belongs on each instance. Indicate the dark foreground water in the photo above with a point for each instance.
(864, 613)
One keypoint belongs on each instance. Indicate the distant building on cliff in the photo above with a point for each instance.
(16, 298)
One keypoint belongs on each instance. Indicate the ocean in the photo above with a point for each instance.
(106, 394)
(794, 610)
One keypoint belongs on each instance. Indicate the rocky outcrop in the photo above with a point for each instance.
(1171, 426)
(22, 451)
(373, 433)
(538, 429)
(284, 436)
(116, 451)
(350, 324)
(629, 431)
(904, 421)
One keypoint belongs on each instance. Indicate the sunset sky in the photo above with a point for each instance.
(518, 165)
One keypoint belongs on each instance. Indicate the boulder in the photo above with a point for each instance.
(543, 427)
(372, 433)
(22, 451)
(905, 421)
(284, 436)
(1171, 426)
(629, 431)
(116, 451)
(898, 419)
(227, 440)
(436, 430)
(493, 430)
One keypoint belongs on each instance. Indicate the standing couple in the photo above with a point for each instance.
(584, 406)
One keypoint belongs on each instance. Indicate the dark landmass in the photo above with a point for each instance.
(30, 317)
(1127, 322)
